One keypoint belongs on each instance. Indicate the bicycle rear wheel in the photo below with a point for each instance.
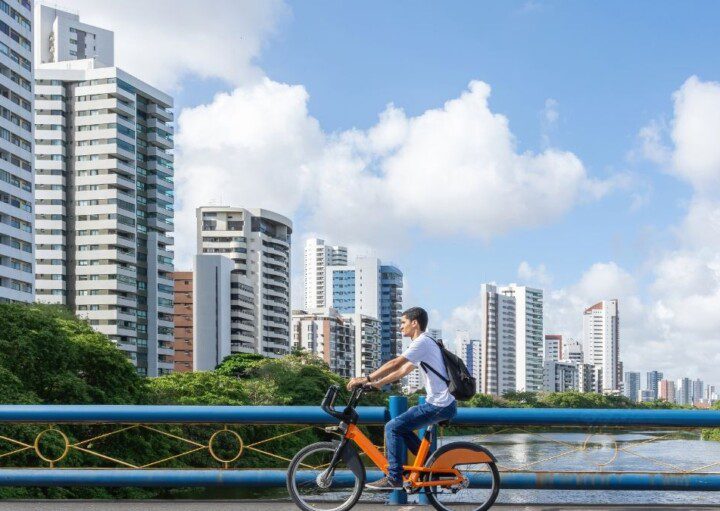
(312, 488)
(477, 466)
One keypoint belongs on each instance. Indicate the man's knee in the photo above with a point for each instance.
(391, 426)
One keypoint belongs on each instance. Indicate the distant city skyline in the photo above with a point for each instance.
(490, 151)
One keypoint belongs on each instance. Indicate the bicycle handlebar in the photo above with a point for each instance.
(328, 402)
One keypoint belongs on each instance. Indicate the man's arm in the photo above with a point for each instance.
(405, 368)
(388, 369)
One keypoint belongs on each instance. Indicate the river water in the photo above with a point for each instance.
(666, 451)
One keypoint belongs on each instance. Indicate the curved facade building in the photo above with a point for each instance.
(257, 241)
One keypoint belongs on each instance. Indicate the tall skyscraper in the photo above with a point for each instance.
(528, 336)
(470, 351)
(632, 386)
(653, 380)
(318, 256)
(683, 392)
(497, 338)
(553, 347)
(104, 190)
(666, 391)
(16, 153)
(391, 286)
(257, 242)
(697, 391)
(371, 289)
(328, 335)
(601, 341)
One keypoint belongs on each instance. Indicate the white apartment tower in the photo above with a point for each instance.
(528, 336)
(258, 243)
(497, 338)
(553, 348)
(104, 190)
(601, 339)
(318, 256)
(16, 152)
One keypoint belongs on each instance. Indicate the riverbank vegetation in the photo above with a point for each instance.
(48, 356)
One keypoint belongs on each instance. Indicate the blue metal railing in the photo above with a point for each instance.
(309, 415)
(370, 415)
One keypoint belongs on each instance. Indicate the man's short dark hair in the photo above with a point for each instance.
(419, 314)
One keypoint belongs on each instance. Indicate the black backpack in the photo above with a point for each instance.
(460, 382)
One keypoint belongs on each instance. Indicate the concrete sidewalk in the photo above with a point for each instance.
(259, 505)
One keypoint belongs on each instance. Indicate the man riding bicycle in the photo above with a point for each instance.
(440, 405)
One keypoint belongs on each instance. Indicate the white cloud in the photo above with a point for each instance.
(537, 276)
(162, 40)
(695, 131)
(652, 142)
(448, 171)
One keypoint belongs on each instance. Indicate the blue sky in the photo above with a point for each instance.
(603, 89)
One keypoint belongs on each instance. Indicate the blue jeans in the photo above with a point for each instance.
(402, 428)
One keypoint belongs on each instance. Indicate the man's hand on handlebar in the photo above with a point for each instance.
(356, 382)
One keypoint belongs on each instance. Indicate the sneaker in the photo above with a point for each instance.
(384, 484)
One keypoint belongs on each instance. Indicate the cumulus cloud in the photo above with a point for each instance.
(162, 40)
(453, 170)
(696, 155)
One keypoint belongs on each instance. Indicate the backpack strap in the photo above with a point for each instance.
(427, 366)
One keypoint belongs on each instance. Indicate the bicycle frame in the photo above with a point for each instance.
(354, 434)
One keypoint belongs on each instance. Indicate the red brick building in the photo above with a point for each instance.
(183, 317)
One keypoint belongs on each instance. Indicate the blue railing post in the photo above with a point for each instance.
(422, 498)
(397, 406)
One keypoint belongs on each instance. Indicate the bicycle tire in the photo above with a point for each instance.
(430, 492)
(292, 484)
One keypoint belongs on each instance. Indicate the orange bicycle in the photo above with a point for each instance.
(330, 476)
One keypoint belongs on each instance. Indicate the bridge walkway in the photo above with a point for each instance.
(237, 505)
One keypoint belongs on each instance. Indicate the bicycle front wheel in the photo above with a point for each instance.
(477, 466)
(313, 487)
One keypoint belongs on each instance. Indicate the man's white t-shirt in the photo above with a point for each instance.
(424, 349)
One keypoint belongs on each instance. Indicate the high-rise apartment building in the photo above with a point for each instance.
(328, 335)
(528, 336)
(183, 321)
(632, 386)
(653, 381)
(683, 391)
(371, 289)
(553, 348)
(666, 391)
(560, 376)
(601, 341)
(16, 152)
(497, 338)
(697, 391)
(710, 394)
(588, 377)
(391, 286)
(470, 352)
(368, 331)
(215, 311)
(318, 256)
(104, 190)
(573, 351)
(257, 244)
